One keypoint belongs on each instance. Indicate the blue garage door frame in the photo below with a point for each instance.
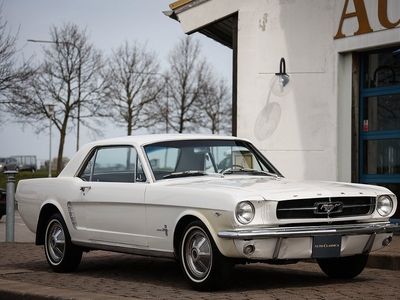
(380, 119)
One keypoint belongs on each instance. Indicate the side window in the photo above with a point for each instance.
(113, 164)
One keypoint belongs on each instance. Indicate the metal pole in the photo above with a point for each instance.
(10, 205)
(79, 97)
(50, 112)
(50, 148)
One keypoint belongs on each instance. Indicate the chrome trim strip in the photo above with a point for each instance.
(286, 232)
(124, 249)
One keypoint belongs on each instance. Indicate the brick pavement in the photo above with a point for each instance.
(24, 274)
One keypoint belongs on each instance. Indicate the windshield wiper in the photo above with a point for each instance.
(190, 173)
(247, 170)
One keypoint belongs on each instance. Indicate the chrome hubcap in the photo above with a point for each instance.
(198, 253)
(55, 242)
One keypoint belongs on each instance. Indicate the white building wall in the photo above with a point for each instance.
(297, 132)
(307, 133)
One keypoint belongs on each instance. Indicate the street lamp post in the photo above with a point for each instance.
(50, 112)
(79, 82)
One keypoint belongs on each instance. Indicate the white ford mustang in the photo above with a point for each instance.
(208, 201)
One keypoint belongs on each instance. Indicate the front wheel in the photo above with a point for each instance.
(203, 265)
(343, 267)
(61, 254)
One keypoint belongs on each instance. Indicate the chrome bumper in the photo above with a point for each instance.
(306, 231)
(279, 234)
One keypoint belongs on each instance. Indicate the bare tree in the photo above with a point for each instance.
(187, 80)
(10, 72)
(68, 79)
(133, 83)
(216, 107)
(193, 99)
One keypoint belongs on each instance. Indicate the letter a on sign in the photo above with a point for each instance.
(362, 18)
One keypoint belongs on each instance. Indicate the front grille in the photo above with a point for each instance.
(325, 208)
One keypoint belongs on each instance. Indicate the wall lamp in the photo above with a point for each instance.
(281, 84)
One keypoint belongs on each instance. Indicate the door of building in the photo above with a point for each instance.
(379, 113)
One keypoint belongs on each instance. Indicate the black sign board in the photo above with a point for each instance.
(326, 246)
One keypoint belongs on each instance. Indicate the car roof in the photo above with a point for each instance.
(145, 139)
(136, 140)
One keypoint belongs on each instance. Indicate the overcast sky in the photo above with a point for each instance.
(109, 24)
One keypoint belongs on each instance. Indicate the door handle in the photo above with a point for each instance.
(85, 188)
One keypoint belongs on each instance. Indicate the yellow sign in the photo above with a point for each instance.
(360, 12)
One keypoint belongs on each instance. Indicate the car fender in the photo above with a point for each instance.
(214, 220)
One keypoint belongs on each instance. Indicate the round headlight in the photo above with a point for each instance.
(384, 206)
(245, 212)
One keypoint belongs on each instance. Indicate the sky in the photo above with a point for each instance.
(109, 23)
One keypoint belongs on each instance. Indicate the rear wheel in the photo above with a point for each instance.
(61, 254)
(343, 267)
(203, 265)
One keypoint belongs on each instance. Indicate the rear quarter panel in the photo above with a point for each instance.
(33, 194)
(30, 195)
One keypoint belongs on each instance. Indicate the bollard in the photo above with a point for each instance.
(10, 205)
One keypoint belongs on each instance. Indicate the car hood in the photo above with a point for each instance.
(279, 188)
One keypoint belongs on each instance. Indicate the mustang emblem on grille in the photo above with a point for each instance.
(328, 207)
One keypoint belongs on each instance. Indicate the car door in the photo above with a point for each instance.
(113, 189)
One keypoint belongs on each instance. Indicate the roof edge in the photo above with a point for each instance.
(178, 3)
(182, 5)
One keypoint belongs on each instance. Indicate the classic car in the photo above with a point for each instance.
(207, 201)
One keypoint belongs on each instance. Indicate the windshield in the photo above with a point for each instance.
(206, 157)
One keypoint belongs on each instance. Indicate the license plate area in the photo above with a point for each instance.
(326, 246)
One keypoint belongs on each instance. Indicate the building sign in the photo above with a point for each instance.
(369, 16)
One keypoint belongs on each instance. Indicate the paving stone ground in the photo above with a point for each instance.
(24, 274)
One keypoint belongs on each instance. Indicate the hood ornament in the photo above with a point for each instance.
(328, 208)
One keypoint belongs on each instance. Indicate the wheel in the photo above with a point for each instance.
(202, 264)
(343, 267)
(61, 254)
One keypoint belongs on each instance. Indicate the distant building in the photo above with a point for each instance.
(341, 118)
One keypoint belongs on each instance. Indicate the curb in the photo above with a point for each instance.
(13, 290)
(387, 261)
